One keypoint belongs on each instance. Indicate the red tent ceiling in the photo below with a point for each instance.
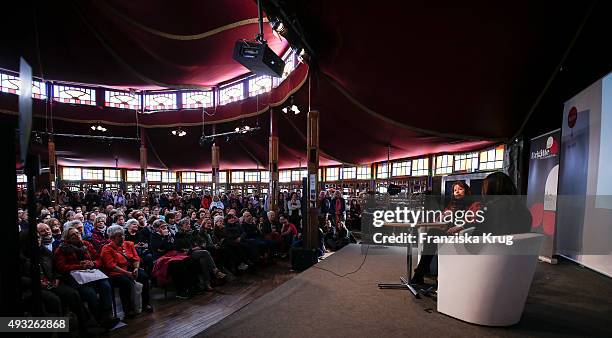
(415, 79)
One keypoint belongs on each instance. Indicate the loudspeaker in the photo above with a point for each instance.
(394, 189)
(302, 259)
(258, 58)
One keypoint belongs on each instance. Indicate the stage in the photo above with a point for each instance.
(564, 299)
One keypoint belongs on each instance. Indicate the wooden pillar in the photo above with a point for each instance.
(144, 188)
(215, 168)
(312, 153)
(273, 160)
(52, 169)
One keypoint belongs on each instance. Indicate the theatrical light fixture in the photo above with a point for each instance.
(292, 107)
(98, 127)
(209, 139)
(178, 132)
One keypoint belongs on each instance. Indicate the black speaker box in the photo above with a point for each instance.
(258, 58)
(302, 259)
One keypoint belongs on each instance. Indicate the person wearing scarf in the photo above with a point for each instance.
(99, 237)
(76, 254)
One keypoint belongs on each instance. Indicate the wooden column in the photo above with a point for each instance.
(215, 168)
(144, 188)
(312, 153)
(273, 161)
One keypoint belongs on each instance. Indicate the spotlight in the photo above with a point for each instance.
(295, 109)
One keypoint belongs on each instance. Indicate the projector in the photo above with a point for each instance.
(258, 58)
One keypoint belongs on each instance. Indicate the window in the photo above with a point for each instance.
(204, 177)
(400, 168)
(93, 174)
(265, 176)
(78, 95)
(251, 176)
(444, 164)
(284, 176)
(289, 59)
(420, 167)
(168, 177)
(349, 173)
(492, 159)
(332, 174)
(112, 175)
(133, 176)
(39, 90)
(222, 177)
(466, 162)
(231, 93)
(71, 174)
(259, 85)
(188, 177)
(160, 101)
(21, 178)
(298, 174)
(117, 99)
(154, 176)
(237, 176)
(199, 99)
(364, 172)
(382, 170)
(12, 84)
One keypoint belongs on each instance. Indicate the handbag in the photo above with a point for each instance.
(137, 297)
(87, 276)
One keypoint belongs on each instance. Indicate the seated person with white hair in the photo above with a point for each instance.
(99, 237)
(46, 237)
(121, 263)
(140, 237)
(77, 254)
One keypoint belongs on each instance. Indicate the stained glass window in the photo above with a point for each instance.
(160, 101)
(199, 99)
(12, 85)
(259, 85)
(78, 95)
(127, 100)
(444, 164)
(349, 173)
(420, 167)
(133, 176)
(204, 177)
(231, 93)
(71, 174)
(93, 174)
(401, 168)
(364, 172)
(466, 162)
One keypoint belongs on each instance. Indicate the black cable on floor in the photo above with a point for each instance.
(348, 273)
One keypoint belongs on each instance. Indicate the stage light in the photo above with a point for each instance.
(174, 132)
(99, 127)
(93, 127)
(285, 110)
(237, 129)
(295, 109)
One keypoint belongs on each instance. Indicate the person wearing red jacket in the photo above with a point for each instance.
(206, 200)
(77, 254)
(121, 263)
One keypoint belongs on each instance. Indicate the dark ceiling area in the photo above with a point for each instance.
(408, 78)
